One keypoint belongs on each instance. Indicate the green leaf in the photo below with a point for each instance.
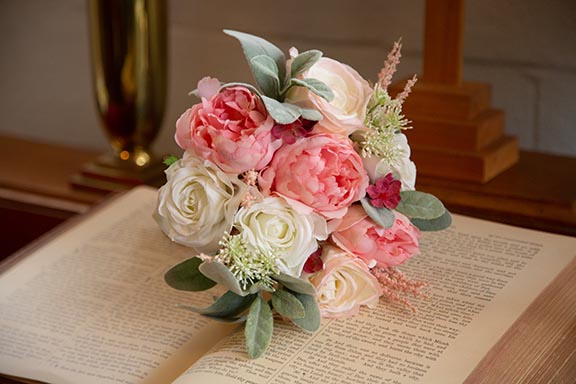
(226, 306)
(245, 85)
(256, 46)
(311, 114)
(384, 217)
(222, 275)
(287, 304)
(295, 284)
(304, 61)
(420, 205)
(229, 320)
(436, 224)
(171, 159)
(266, 74)
(186, 276)
(311, 320)
(282, 113)
(258, 330)
(315, 86)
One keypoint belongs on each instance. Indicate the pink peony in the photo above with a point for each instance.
(232, 129)
(323, 172)
(385, 247)
(344, 284)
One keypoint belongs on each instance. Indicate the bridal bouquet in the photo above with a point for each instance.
(296, 195)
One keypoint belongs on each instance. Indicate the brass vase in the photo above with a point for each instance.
(129, 59)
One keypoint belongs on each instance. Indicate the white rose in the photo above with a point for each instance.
(402, 167)
(198, 203)
(274, 225)
(344, 284)
(346, 112)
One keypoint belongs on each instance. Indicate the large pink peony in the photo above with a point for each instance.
(385, 247)
(231, 128)
(321, 171)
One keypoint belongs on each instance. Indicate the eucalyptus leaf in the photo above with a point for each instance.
(282, 113)
(245, 85)
(304, 61)
(311, 114)
(315, 86)
(420, 205)
(186, 276)
(384, 217)
(258, 329)
(226, 306)
(311, 320)
(436, 224)
(295, 284)
(266, 74)
(287, 304)
(256, 46)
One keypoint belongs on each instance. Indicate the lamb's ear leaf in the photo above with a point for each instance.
(218, 272)
(266, 74)
(186, 276)
(295, 284)
(316, 86)
(258, 329)
(311, 320)
(384, 217)
(304, 61)
(420, 205)
(286, 304)
(282, 113)
(256, 46)
(226, 306)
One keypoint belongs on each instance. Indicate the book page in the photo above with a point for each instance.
(481, 276)
(91, 306)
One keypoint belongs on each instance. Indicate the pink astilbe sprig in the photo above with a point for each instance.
(396, 287)
(407, 89)
(389, 68)
(250, 178)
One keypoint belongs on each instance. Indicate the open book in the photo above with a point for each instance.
(89, 305)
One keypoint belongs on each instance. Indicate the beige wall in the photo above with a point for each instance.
(525, 48)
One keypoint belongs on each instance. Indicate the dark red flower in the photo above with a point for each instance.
(385, 192)
(314, 262)
(290, 132)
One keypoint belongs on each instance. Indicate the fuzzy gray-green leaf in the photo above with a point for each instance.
(304, 61)
(311, 114)
(295, 284)
(311, 320)
(186, 276)
(287, 304)
(420, 205)
(222, 275)
(315, 86)
(255, 46)
(226, 306)
(258, 329)
(384, 217)
(436, 224)
(282, 113)
(265, 72)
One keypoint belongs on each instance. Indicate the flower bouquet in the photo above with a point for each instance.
(296, 195)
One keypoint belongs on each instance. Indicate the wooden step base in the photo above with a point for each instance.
(465, 101)
(457, 134)
(474, 166)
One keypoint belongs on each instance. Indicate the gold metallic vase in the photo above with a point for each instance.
(129, 60)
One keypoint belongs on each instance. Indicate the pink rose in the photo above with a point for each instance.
(344, 284)
(346, 112)
(323, 172)
(385, 247)
(232, 129)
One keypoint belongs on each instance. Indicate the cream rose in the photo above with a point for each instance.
(402, 168)
(274, 225)
(346, 112)
(197, 204)
(344, 284)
